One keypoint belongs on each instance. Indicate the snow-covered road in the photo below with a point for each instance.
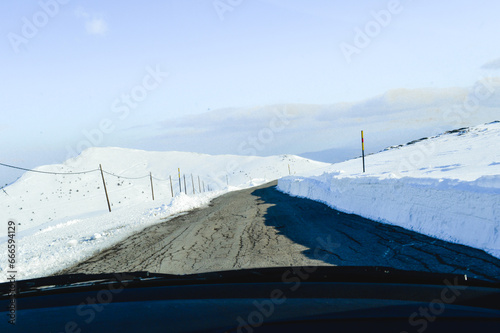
(262, 227)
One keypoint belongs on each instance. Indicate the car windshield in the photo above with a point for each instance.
(212, 135)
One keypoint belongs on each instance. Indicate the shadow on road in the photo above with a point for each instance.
(345, 239)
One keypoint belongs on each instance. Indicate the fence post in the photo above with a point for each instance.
(152, 190)
(180, 188)
(289, 173)
(199, 184)
(105, 190)
(185, 188)
(171, 187)
(192, 183)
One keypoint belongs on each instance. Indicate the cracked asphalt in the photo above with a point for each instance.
(262, 227)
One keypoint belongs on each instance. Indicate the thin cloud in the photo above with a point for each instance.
(395, 117)
(493, 64)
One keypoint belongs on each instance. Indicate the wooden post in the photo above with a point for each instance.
(152, 190)
(185, 187)
(105, 190)
(171, 187)
(192, 183)
(180, 188)
(203, 186)
(199, 184)
(289, 173)
(363, 149)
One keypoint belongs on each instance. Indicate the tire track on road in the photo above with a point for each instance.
(262, 227)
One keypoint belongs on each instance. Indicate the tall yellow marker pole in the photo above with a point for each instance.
(363, 149)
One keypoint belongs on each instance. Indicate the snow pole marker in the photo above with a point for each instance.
(363, 149)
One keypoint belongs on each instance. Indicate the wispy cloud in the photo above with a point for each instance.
(94, 23)
(493, 64)
(394, 117)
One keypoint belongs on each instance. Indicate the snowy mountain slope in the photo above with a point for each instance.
(64, 218)
(446, 187)
(332, 155)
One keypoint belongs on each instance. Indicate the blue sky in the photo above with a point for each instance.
(74, 70)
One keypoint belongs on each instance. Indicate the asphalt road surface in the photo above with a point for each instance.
(262, 227)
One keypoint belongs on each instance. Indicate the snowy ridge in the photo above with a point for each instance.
(63, 219)
(451, 191)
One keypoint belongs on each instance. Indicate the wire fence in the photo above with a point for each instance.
(194, 188)
(48, 172)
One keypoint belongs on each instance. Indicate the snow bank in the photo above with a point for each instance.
(456, 211)
(452, 194)
(68, 241)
